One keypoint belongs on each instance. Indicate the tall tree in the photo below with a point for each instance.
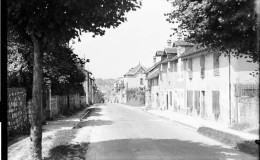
(44, 21)
(226, 25)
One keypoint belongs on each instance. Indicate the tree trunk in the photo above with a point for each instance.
(36, 108)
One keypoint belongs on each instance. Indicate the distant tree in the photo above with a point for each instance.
(47, 21)
(228, 26)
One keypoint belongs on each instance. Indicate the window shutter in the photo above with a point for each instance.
(189, 98)
(215, 102)
(197, 99)
(216, 64)
(170, 98)
(202, 66)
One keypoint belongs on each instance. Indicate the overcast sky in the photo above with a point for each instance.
(145, 32)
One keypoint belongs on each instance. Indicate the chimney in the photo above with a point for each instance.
(154, 59)
(169, 42)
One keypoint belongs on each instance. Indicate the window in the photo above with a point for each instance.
(141, 81)
(202, 66)
(216, 64)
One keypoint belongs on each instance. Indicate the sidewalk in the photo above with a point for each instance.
(197, 122)
(19, 150)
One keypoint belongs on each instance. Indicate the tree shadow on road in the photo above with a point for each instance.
(72, 151)
(146, 148)
(92, 123)
(161, 149)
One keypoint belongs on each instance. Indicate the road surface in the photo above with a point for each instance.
(120, 132)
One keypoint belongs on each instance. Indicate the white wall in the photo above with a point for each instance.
(211, 83)
(239, 71)
(134, 81)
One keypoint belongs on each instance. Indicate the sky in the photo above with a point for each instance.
(137, 40)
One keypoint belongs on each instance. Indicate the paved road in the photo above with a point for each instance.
(120, 132)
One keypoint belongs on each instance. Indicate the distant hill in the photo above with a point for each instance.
(105, 85)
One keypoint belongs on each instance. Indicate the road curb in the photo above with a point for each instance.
(84, 116)
(197, 128)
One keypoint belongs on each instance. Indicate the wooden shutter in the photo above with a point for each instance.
(215, 102)
(170, 98)
(216, 63)
(202, 66)
(197, 99)
(190, 99)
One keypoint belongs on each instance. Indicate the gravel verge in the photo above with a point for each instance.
(238, 143)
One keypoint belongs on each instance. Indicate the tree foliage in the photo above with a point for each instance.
(226, 25)
(66, 19)
(44, 22)
(61, 66)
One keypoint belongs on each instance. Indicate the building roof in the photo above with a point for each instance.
(192, 51)
(170, 50)
(182, 43)
(153, 74)
(159, 53)
(154, 66)
(133, 71)
(174, 58)
(165, 60)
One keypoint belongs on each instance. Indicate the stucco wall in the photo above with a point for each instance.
(211, 83)
(134, 81)
(179, 89)
(219, 83)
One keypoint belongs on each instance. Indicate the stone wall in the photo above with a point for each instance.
(248, 110)
(18, 109)
(59, 104)
(63, 104)
(83, 102)
(18, 122)
(54, 106)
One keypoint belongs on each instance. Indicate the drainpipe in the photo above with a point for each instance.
(229, 75)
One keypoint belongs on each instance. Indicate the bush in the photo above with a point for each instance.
(135, 97)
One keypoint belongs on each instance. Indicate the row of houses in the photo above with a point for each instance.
(91, 89)
(190, 79)
(134, 78)
(53, 104)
